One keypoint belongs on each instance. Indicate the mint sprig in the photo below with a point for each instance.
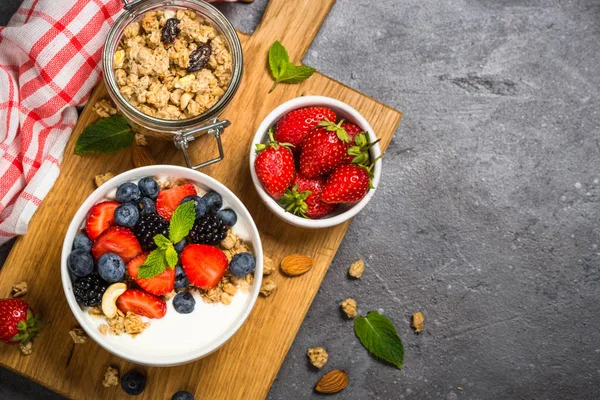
(165, 256)
(283, 70)
(105, 136)
(378, 335)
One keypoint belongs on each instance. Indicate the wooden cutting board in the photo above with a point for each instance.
(246, 366)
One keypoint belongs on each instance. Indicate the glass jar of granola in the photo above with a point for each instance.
(172, 67)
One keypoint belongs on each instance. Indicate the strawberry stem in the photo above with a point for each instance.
(295, 202)
(28, 329)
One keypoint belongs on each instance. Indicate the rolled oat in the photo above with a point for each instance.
(268, 266)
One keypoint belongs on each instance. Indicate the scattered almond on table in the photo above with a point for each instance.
(268, 287)
(111, 377)
(417, 322)
(332, 382)
(100, 179)
(318, 356)
(78, 335)
(296, 264)
(19, 289)
(356, 269)
(349, 307)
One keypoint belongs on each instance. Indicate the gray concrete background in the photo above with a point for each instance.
(486, 219)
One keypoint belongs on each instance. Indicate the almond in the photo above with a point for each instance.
(141, 157)
(332, 382)
(296, 264)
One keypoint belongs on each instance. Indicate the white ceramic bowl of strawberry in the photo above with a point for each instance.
(345, 211)
(176, 338)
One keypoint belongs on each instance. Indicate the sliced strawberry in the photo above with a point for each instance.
(118, 240)
(100, 218)
(204, 265)
(159, 285)
(168, 200)
(141, 303)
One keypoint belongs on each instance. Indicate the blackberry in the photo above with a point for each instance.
(208, 230)
(148, 226)
(89, 290)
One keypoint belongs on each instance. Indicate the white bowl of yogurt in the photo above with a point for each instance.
(176, 338)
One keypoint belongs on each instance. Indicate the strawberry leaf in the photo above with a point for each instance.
(378, 335)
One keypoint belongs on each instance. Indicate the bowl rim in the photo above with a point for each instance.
(96, 196)
(305, 101)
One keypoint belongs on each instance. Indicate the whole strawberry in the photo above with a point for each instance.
(17, 322)
(304, 198)
(274, 166)
(347, 185)
(295, 125)
(323, 149)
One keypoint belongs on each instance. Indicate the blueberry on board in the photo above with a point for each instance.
(149, 187)
(182, 395)
(82, 242)
(80, 263)
(184, 303)
(179, 246)
(111, 267)
(199, 204)
(242, 264)
(181, 279)
(213, 200)
(228, 216)
(127, 215)
(147, 205)
(127, 192)
(133, 383)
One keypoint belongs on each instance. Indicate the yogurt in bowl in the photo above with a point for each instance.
(176, 337)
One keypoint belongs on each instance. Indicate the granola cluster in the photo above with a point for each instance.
(130, 323)
(154, 73)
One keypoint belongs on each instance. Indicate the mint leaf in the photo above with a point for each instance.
(378, 335)
(182, 221)
(171, 256)
(278, 56)
(296, 74)
(105, 136)
(155, 264)
(161, 241)
(283, 70)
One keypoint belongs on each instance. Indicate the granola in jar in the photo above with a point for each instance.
(172, 64)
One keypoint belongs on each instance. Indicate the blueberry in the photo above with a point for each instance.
(179, 246)
(80, 263)
(127, 192)
(149, 187)
(181, 279)
(82, 242)
(213, 200)
(199, 204)
(242, 264)
(111, 268)
(146, 205)
(184, 303)
(133, 383)
(127, 215)
(228, 216)
(182, 395)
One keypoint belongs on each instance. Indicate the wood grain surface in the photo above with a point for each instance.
(245, 367)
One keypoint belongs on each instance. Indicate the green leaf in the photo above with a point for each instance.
(378, 335)
(278, 56)
(161, 241)
(171, 256)
(182, 221)
(296, 73)
(155, 264)
(105, 136)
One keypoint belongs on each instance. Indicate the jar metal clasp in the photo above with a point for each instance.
(129, 4)
(215, 128)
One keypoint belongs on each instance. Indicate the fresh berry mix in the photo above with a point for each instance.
(333, 164)
(133, 383)
(159, 237)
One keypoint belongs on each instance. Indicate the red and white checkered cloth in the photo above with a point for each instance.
(50, 55)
